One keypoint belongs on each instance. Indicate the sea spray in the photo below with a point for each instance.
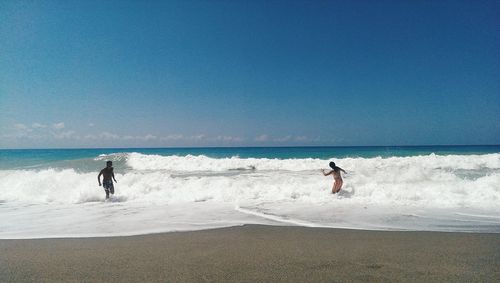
(424, 192)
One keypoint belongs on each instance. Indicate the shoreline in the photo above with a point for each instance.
(160, 232)
(257, 253)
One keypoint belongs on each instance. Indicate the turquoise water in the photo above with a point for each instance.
(26, 158)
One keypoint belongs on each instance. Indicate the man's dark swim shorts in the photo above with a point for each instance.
(108, 186)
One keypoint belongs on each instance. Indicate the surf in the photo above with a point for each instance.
(443, 192)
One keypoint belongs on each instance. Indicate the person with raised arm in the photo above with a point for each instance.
(335, 172)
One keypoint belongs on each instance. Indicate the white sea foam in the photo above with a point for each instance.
(441, 192)
(202, 163)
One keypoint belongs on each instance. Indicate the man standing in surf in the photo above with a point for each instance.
(337, 185)
(107, 183)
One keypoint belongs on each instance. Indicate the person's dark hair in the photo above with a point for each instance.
(109, 163)
(332, 164)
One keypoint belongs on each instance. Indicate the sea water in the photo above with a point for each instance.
(55, 193)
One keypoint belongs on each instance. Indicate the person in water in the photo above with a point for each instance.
(337, 185)
(107, 183)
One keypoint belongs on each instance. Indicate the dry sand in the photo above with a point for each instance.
(255, 253)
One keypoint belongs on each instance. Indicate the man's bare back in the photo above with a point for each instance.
(107, 180)
(107, 174)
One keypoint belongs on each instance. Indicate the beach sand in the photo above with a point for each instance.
(253, 253)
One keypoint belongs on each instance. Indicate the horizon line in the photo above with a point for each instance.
(290, 146)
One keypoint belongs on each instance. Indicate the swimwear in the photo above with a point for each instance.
(108, 186)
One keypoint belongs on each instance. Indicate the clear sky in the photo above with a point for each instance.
(248, 73)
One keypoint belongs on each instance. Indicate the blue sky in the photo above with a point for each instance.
(248, 73)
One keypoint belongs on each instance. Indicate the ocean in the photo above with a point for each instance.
(50, 193)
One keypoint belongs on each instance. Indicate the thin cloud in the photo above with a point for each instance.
(112, 136)
(302, 139)
(174, 137)
(16, 136)
(38, 126)
(66, 135)
(283, 139)
(149, 137)
(58, 126)
(90, 137)
(228, 139)
(108, 136)
(21, 127)
(262, 138)
(198, 137)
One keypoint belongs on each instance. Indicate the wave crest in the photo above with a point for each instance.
(194, 163)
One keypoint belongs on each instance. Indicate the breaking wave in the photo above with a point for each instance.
(158, 193)
(426, 181)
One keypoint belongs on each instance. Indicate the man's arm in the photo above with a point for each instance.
(99, 177)
(343, 170)
(113, 175)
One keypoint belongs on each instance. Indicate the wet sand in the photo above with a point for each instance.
(257, 253)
